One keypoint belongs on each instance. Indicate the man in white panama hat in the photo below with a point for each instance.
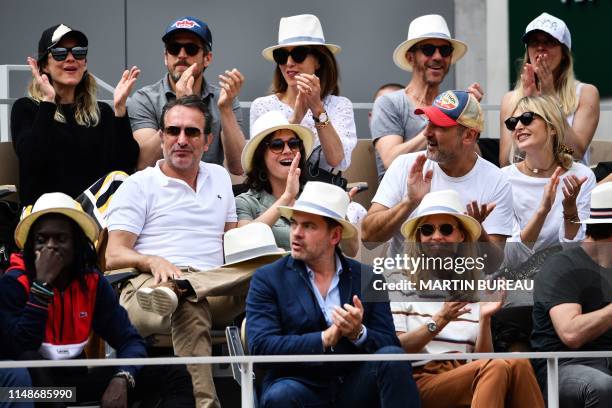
(428, 53)
(573, 309)
(311, 303)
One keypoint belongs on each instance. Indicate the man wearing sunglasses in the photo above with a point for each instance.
(187, 54)
(428, 53)
(455, 120)
(168, 222)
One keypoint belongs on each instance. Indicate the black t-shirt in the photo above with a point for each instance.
(570, 276)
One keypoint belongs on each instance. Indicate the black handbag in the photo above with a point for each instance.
(316, 173)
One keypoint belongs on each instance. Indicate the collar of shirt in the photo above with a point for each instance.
(165, 180)
(332, 299)
(206, 89)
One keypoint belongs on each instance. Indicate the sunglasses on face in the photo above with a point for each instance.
(525, 118)
(429, 49)
(61, 53)
(428, 230)
(278, 145)
(298, 54)
(176, 131)
(191, 49)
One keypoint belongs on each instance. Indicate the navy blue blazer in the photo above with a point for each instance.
(284, 317)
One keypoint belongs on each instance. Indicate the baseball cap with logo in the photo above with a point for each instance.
(453, 108)
(52, 35)
(552, 26)
(192, 25)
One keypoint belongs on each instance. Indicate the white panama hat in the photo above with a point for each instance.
(54, 203)
(326, 200)
(431, 26)
(254, 240)
(601, 205)
(442, 202)
(303, 29)
(268, 123)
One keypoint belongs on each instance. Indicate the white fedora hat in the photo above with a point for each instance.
(601, 205)
(268, 123)
(442, 202)
(424, 28)
(54, 203)
(326, 200)
(254, 240)
(303, 29)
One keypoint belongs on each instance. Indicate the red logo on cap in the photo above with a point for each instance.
(447, 101)
(186, 24)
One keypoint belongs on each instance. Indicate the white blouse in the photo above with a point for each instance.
(339, 110)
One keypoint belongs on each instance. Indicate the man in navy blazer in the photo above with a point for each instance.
(310, 303)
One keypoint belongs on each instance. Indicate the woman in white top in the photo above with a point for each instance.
(305, 89)
(456, 326)
(547, 69)
(550, 191)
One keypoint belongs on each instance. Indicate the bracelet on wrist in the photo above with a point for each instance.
(129, 378)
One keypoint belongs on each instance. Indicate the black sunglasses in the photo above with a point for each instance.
(278, 145)
(191, 49)
(525, 118)
(176, 131)
(428, 230)
(430, 49)
(298, 54)
(61, 53)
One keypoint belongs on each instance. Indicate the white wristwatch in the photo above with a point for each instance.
(432, 326)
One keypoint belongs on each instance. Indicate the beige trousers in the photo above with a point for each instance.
(220, 296)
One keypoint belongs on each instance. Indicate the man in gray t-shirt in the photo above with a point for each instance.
(429, 53)
(188, 52)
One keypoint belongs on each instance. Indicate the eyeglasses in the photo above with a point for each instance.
(60, 53)
(278, 145)
(176, 131)
(428, 230)
(190, 48)
(430, 49)
(298, 54)
(525, 118)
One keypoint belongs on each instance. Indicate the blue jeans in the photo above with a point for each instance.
(15, 377)
(382, 384)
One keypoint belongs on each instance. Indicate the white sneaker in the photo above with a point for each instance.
(144, 298)
(160, 300)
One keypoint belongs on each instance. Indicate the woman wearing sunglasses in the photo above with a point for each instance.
(548, 69)
(305, 89)
(425, 323)
(64, 138)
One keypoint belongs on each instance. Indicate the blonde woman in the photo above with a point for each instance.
(424, 324)
(64, 138)
(547, 69)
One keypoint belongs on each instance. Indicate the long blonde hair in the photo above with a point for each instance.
(86, 112)
(565, 84)
(547, 108)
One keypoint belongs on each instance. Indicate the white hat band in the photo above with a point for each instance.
(306, 205)
(301, 39)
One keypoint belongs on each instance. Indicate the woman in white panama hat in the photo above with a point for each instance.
(305, 89)
(432, 326)
(547, 68)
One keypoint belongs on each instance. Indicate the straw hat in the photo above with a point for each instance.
(326, 200)
(442, 202)
(251, 241)
(431, 26)
(304, 29)
(601, 205)
(268, 123)
(54, 203)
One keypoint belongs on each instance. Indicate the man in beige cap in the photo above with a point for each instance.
(428, 53)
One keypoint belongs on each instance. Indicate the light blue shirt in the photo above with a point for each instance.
(329, 303)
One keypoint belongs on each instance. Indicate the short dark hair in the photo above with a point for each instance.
(599, 231)
(85, 256)
(331, 223)
(189, 101)
(257, 178)
(328, 74)
(393, 85)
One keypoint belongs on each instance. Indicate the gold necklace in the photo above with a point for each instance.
(538, 171)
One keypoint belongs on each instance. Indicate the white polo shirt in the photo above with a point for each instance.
(172, 220)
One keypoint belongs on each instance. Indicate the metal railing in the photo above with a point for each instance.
(246, 364)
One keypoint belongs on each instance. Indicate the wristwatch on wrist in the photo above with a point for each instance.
(432, 326)
(129, 378)
(322, 120)
(359, 335)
